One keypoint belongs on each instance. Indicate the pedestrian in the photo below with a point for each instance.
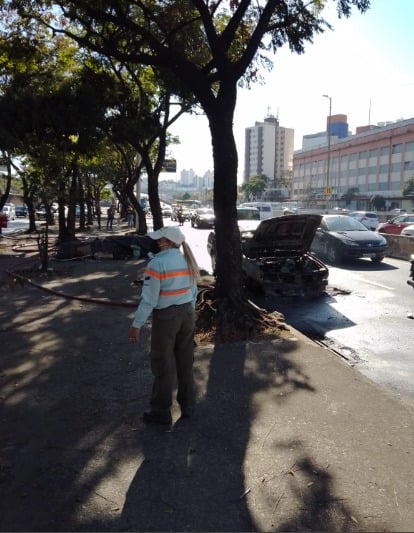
(169, 292)
(110, 216)
(130, 217)
(181, 216)
(98, 216)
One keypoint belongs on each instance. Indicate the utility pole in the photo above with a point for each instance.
(328, 189)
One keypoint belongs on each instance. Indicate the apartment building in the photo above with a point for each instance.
(269, 150)
(376, 160)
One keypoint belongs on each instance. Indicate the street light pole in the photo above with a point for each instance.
(328, 189)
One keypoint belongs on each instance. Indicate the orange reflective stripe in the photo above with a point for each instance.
(157, 275)
(173, 293)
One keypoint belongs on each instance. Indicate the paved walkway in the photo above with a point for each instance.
(287, 436)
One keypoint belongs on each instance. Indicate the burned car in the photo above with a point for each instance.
(276, 256)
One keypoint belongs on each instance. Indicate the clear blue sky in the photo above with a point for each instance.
(365, 65)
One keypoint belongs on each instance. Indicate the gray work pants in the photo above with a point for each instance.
(172, 344)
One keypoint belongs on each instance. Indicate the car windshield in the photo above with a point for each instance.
(244, 213)
(342, 223)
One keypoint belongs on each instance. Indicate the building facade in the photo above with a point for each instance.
(374, 161)
(268, 150)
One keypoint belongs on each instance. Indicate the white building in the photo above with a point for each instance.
(268, 150)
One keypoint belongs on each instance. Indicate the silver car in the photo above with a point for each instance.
(368, 218)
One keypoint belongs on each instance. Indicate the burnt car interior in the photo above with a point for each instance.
(277, 258)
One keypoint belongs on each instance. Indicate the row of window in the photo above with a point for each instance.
(347, 160)
(362, 188)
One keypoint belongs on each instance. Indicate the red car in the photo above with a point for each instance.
(396, 224)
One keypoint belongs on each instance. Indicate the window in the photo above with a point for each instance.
(362, 155)
(373, 152)
(409, 147)
(396, 148)
(384, 150)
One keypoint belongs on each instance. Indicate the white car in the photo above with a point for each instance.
(408, 231)
(9, 211)
(368, 218)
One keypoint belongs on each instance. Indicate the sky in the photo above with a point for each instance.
(364, 64)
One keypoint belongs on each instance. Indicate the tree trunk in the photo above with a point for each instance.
(229, 280)
(154, 200)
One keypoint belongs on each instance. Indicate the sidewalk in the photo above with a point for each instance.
(287, 436)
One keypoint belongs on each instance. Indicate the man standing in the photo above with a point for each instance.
(130, 217)
(110, 214)
(169, 292)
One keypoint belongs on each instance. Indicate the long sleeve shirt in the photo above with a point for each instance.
(167, 282)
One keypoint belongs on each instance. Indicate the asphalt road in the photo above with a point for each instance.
(364, 317)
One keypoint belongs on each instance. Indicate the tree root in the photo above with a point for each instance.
(234, 320)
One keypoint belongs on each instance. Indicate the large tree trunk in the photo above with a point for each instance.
(229, 282)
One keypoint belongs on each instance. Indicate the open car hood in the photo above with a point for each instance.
(283, 236)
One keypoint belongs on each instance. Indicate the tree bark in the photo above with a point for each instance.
(229, 277)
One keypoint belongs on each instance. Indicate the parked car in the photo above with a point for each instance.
(368, 218)
(21, 211)
(408, 231)
(40, 213)
(276, 255)
(341, 237)
(202, 218)
(396, 224)
(166, 211)
(9, 211)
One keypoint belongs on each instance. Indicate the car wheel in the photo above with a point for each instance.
(377, 258)
(333, 254)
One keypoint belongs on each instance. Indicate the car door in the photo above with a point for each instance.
(400, 223)
(319, 240)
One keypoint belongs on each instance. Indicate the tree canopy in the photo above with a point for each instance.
(206, 49)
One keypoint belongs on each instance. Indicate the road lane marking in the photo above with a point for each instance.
(379, 285)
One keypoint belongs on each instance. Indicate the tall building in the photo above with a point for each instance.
(374, 161)
(336, 128)
(268, 150)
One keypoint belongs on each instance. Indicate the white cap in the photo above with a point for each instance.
(172, 233)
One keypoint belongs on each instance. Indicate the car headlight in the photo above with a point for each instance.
(245, 235)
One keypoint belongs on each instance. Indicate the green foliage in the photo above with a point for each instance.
(408, 189)
(378, 202)
(350, 195)
(255, 186)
